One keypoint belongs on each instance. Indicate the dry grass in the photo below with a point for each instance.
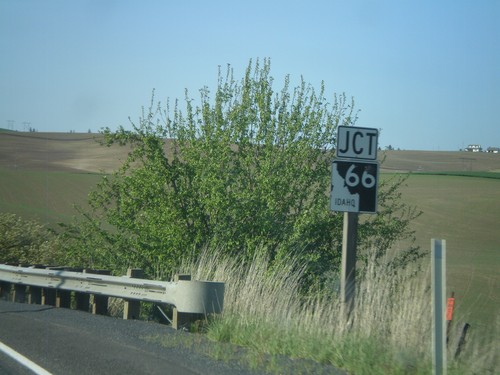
(389, 331)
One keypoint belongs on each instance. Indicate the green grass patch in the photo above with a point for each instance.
(46, 196)
(357, 354)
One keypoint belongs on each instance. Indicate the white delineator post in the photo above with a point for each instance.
(438, 265)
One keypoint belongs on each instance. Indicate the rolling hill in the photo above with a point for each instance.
(82, 153)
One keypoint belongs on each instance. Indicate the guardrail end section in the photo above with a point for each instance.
(199, 297)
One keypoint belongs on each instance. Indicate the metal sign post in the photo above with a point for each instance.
(347, 278)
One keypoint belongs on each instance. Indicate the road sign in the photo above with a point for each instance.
(357, 143)
(354, 186)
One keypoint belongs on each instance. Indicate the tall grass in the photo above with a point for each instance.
(388, 332)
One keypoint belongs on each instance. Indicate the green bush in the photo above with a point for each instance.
(26, 242)
(247, 168)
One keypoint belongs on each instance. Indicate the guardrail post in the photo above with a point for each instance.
(182, 319)
(82, 300)
(132, 308)
(5, 288)
(35, 292)
(35, 295)
(48, 297)
(100, 302)
(63, 297)
(19, 294)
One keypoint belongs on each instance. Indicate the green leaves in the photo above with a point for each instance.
(25, 241)
(246, 168)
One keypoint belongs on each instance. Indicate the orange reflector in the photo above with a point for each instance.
(449, 308)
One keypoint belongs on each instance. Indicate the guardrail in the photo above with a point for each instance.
(54, 286)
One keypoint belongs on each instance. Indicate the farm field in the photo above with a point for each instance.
(42, 175)
(439, 161)
(46, 196)
(60, 152)
(465, 211)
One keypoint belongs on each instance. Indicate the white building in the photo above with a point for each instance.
(474, 148)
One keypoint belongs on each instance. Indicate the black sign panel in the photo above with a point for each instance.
(354, 186)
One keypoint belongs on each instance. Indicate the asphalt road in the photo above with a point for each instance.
(64, 341)
(8, 366)
(69, 342)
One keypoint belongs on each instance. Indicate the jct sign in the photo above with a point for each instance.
(357, 143)
(354, 186)
(355, 171)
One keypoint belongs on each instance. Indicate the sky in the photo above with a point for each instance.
(426, 73)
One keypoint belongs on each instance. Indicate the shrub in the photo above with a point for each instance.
(26, 242)
(247, 168)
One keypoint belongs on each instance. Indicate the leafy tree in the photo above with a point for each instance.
(245, 170)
